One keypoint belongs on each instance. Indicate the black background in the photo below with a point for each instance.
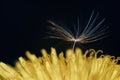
(23, 25)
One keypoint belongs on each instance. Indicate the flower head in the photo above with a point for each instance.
(75, 65)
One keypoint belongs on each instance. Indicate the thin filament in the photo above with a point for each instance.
(73, 47)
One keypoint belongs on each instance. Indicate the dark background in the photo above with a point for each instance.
(23, 25)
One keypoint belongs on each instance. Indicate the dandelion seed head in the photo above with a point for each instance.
(93, 31)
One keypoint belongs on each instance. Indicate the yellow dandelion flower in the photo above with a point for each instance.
(75, 65)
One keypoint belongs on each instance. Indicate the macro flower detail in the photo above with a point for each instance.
(74, 65)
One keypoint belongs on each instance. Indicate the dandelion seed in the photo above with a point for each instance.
(92, 31)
